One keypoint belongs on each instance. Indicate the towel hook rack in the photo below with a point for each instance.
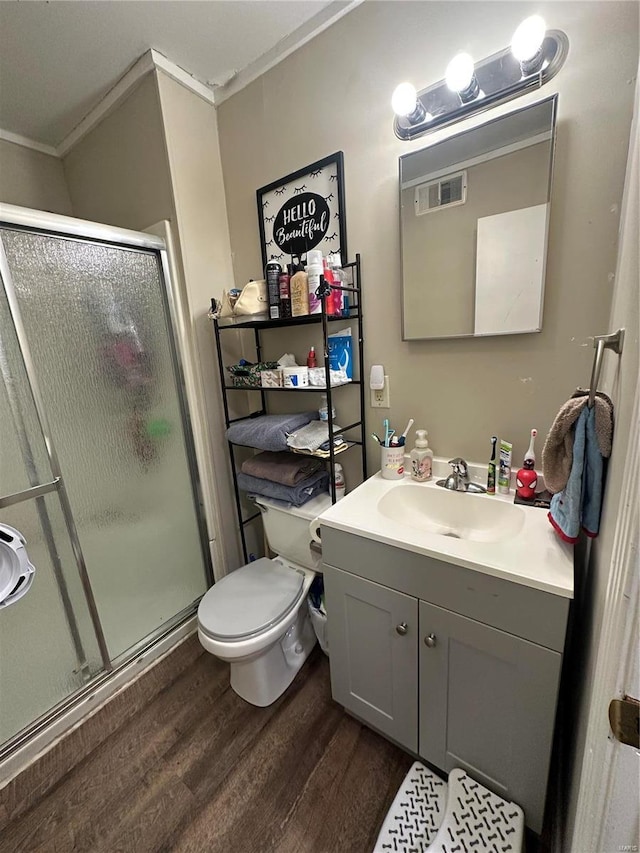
(615, 342)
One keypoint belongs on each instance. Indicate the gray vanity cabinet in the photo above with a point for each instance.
(487, 704)
(374, 654)
(459, 667)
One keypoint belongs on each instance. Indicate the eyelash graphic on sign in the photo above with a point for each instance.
(297, 190)
(269, 218)
(333, 177)
(315, 173)
(265, 204)
(281, 191)
(328, 197)
(331, 236)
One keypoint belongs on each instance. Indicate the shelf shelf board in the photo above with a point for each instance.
(261, 321)
(320, 388)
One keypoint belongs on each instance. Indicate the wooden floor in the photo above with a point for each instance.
(192, 767)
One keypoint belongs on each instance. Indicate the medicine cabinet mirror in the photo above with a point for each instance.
(474, 217)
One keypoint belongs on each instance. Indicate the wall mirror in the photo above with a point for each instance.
(474, 216)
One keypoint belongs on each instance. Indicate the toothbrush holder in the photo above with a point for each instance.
(392, 462)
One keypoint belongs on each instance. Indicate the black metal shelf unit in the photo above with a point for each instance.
(259, 326)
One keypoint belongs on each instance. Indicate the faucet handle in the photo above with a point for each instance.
(460, 467)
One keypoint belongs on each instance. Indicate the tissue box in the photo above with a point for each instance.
(271, 378)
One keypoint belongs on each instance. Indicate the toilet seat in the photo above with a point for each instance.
(249, 601)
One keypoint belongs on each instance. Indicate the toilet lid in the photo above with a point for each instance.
(250, 600)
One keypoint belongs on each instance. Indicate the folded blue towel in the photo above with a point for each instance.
(268, 432)
(296, 495)
(580, 501)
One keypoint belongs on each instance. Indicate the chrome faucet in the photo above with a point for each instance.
(458, 479)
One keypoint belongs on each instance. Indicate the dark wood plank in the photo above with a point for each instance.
(41, 776)
(113, 769)
(197, 769)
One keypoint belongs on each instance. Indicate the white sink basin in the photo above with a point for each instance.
(454, 514)
(487, 533)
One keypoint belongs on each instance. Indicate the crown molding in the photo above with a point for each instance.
(153, 60)
(285, 47)
(140, 68)
(150, 61)
(25, 142)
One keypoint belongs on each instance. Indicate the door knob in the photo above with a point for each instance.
(402, 628)
(430, 640)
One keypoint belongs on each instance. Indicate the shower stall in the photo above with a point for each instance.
(97, 465)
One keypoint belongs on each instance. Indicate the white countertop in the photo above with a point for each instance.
(535, 557)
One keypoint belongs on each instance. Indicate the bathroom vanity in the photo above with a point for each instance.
(447, 629)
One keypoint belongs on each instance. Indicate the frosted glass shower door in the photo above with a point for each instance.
(96, 319)
(48, 646)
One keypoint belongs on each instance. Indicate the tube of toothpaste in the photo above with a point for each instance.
(504, 473)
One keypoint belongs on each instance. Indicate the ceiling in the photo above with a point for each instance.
(58, 59)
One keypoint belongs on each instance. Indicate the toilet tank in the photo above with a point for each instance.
(287, 528)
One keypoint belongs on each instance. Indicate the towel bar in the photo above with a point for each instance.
(615, 342)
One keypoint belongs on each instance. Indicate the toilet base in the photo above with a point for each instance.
(262, 679)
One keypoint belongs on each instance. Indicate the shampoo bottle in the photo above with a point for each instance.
(421, 457)
(314, 272)
(284, 283)
(272, 274)
(338, 479)
(299, 286)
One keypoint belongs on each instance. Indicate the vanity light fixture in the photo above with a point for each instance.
(461, 78)
(526, 44)
(404, 102)
(534, 57)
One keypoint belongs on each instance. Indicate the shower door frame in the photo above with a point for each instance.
(78, 230)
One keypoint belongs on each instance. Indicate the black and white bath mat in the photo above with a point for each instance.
(460, 816)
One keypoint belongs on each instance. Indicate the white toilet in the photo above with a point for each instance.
(256, 617)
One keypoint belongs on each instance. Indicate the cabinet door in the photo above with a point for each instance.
(373, 647)
(487, 704)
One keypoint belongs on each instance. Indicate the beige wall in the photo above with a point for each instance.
(333, 94)
(117, 174)
(30, 178)
(191, 134)
(439, 248)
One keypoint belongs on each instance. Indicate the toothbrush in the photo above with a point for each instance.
(491, 472)
(408, 427)
(385, 424)
(531, 454)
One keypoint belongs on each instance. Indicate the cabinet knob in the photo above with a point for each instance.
(430, 640)
(402, 628)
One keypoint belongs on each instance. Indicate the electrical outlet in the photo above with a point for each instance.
(380, 397)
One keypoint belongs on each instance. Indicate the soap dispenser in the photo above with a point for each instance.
(421, 457)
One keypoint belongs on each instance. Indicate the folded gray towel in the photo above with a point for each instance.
(268, 432)
(557, 453)
(296, 495)
(281, 467)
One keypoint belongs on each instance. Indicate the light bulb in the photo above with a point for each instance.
(459, 72)
(404, 99)
(528, 38)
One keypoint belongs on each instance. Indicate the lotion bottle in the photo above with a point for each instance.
(299, 286)
(421, 457)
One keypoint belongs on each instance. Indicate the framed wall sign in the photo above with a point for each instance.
(304, 210)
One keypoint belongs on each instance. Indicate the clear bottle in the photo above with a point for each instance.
(421, 457)
(323, 411)
(338, 479)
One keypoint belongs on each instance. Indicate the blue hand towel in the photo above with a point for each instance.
(580, 501)
(296, 495)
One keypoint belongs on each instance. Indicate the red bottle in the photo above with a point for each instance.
(526, 481)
